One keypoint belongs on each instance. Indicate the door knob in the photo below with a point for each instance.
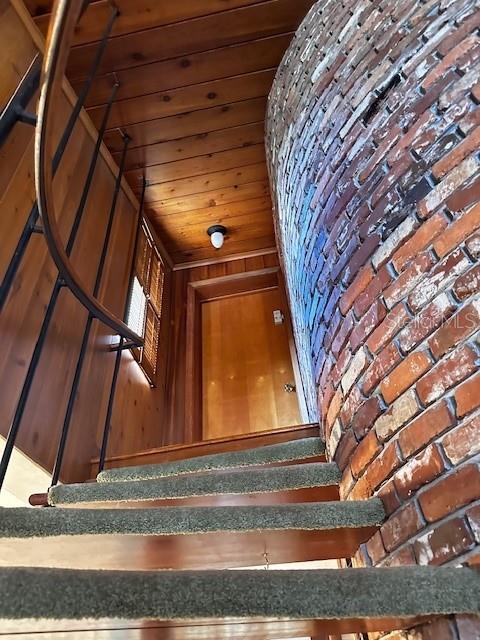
(289, 387)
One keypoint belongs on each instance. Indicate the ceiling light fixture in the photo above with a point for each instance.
(217, 234)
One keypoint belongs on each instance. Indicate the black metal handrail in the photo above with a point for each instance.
(63, 22)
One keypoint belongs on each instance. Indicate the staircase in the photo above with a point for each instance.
(147, 547)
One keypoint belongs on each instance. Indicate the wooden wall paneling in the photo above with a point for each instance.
(47, 403)
(16, 201)
(192, 36)
(90, 409)
(190, 123)
(18, 51)
(24, 309)
(14, 147)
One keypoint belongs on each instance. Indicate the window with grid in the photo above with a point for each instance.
(145, 306)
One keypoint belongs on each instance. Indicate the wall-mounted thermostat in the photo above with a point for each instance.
(278, 317)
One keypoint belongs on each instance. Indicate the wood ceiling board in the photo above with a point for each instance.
(192, 146)
(212, 199)
(196, 239)
(187, 70)
(134, 16)
(199, 166)
(184, 99)
(191, 36)
(188, 219)
(205, 184)
(194, 79)
(189, 124)
(239, 239)
(230, 248)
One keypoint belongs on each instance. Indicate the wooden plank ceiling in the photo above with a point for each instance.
(194, 78)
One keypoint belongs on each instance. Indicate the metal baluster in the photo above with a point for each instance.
(86, 334)
(14, 427)
(123, 345)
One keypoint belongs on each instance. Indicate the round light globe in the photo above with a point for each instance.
(217, 239)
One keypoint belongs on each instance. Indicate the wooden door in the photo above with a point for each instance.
(246, 363)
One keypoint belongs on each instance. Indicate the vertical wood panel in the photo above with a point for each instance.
(24, 309)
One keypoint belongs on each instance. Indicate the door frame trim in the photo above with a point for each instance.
(201, 291)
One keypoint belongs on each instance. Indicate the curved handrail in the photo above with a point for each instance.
(62, 25)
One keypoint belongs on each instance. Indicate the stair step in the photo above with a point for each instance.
(186, 537)
(234, 604)
(313, 482)
(304, 449)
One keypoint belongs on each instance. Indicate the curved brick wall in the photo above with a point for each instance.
(373, 132)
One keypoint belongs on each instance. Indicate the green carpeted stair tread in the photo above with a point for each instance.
(256, 480)
(301, 449)
(324, 594)
(26, 523)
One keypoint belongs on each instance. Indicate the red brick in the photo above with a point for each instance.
(334, 408)
(473, 244)
(346, 484)
(397, 415)
(381, 365)
(382, 467)
(438, 279)
(465, 197)
(375, 548)
(366, 451)
(350, 405)
(407, 280)
(419, 471)
(450, 184)
(340, 367)
(458, 366)
(468, 284)
(420, 241)
(451, 492)
(467, 396)
(458, 153)
(342, 335)
(425, 428)
(405, 375)
(345, 449)
(365, 416)
(457, 328)
(473, 516)
(360, 283)
(401, 558)
(367, 324)
(401, 526)
(382, 279)
(394, 321)
(463, 442)
(425, 322)
(461, 228)
(388, 495)
(444, 543)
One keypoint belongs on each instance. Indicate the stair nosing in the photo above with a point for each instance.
(268, 480)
